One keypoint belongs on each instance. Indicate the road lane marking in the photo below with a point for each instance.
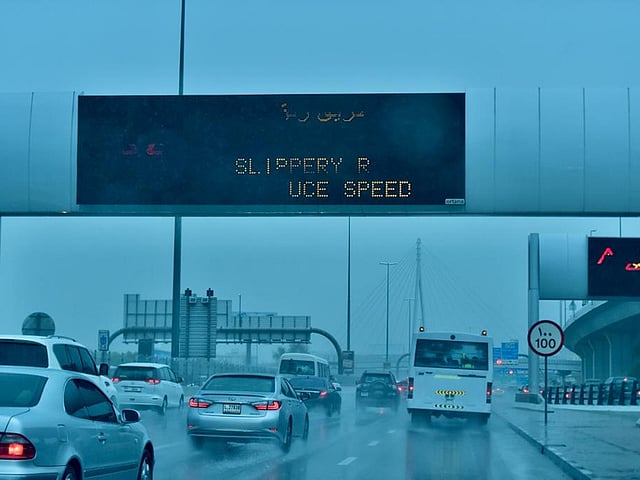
(347, 461)
(374, 443)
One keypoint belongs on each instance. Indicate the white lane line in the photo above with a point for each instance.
(347, 461)
(374, 443)
(392, 431)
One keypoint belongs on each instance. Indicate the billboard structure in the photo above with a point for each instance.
(311, 153)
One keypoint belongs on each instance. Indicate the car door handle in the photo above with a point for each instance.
(102, 438)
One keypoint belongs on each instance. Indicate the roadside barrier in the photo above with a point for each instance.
(627, 393)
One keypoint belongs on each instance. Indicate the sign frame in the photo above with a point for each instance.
(552, 330)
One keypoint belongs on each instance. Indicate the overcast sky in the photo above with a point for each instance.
(474, 269)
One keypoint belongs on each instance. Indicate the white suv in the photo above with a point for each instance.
(60, 353)
(147, 385)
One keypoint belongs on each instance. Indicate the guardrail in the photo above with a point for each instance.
(596, 394)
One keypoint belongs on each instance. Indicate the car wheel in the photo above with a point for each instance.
(286, 441)
(69, 473)
(181, 403)
(329, 410)
(163, 407)
(305, 430)
(145, 472)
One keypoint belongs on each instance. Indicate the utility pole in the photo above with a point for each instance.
(386, 354)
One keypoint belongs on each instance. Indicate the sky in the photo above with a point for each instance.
(474, 271)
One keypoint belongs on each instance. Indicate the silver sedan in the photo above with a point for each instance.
(58, 424)
(245, 408)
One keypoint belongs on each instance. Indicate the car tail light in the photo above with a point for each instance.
(323, 394)
(16, 447)
(267, 405)
(153, 381)
(410, 387)
(115, 379)
(199, 403)
(489, 391)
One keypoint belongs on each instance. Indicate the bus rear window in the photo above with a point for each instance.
(297, 367)
(451, 354)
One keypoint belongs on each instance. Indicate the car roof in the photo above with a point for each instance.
(247, 374)
(49, 339)
(143, 364)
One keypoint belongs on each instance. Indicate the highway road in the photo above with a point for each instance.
(376, 445)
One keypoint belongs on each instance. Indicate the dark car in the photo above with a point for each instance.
(377, 389)
(322, 393)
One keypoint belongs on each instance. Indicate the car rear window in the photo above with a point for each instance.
(20, 390)
(244, 383)
(136, 373)
(372, 377)
(307, 382)
(23, 353)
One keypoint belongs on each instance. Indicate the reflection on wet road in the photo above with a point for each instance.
(375, 445)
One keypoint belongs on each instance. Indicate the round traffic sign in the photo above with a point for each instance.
(546, 338)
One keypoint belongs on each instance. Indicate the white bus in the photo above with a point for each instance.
(292, 364)
(450, 374)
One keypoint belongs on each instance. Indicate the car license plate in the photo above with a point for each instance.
(132, 389)
(232, 408)
(364, 394)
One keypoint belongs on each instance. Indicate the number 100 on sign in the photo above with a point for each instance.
(546, 338)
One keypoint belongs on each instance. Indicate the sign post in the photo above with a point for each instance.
(545, 338)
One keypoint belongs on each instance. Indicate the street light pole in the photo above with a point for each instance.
(386, 355)
(410, 322)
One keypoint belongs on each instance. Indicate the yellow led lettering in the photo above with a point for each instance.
(308, 189)
(241, 166)
(377, 189)
(363, 165)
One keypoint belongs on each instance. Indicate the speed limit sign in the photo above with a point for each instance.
(546, 338)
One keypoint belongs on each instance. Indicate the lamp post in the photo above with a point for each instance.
(410, 323)
(386, 354)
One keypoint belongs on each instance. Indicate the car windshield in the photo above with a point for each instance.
(244, 383)
(28, 354)
(20, 390)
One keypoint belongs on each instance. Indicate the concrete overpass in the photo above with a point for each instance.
(606, 336)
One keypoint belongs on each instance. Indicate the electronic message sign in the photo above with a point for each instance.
(613, 267)
(304, 151)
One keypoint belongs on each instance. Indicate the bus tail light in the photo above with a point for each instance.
(489, 391)
(410, 387)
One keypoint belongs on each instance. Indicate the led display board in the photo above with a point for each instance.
(299, 151)
(613, 267)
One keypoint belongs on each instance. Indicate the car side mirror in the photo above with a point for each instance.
(104, 369)
(130, 416)
(179, 379)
